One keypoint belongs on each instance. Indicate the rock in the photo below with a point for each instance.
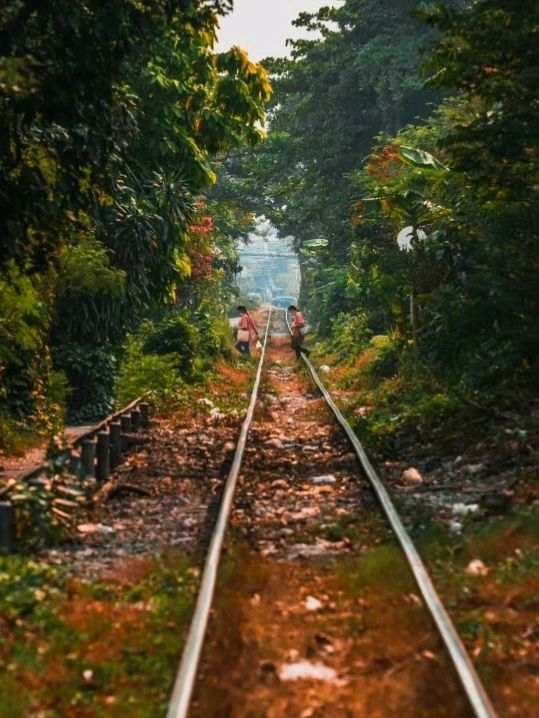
(476, 568)
(229, 446)
(88, 529)
(279, 484)
(305, 670)
(323, 479)
(274, 443)
(324, 368)
(463, 509)
(312, 603)
(455, 527)
(412, 476)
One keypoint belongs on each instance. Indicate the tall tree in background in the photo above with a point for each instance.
(358, 78)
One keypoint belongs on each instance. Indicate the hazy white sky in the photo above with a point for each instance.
(262, 26)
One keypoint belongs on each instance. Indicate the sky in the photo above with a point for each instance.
(262, 26)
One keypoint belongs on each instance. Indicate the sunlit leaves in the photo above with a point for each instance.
(421, 158)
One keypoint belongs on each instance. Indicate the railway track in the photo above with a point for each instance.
(456, 666)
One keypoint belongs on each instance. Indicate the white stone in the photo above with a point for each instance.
(463, 509)
(323, 479)
(307, 671)
(312, 603)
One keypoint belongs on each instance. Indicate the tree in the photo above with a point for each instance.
(109, 115)
(337, 93)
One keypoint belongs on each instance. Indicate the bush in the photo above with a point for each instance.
(388, 357)
(174, 336)
(90, 371)
(163, 357)
(350, 334)
(15, 437)
(215, 338)
(155, 375)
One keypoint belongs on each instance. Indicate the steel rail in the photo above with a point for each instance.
(185, 679)
(471, 683)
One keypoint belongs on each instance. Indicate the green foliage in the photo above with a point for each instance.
(125, 632)
(154, 375)
(48, 507)
(90, 371)
(100, 105)
(358, 77)
(463, 182)
(165, 357)
(15, 436)
(23, 315)
(214, 338)
(84, 268)
(175, 336)
(23, 586)
(349, 334)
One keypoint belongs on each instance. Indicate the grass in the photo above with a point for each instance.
(75, 648)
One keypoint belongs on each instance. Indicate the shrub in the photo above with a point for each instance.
(175, 336)
(155, 375)
(350, 333)
(215, 338)
(91, 371)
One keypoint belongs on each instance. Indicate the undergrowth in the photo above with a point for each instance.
(92, 648)
(394, 400)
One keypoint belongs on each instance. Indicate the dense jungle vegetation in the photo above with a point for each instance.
(400, 114)
(398, 119)
(112, 116)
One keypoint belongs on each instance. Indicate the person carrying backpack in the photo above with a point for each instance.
(298, 323)
(246, 331)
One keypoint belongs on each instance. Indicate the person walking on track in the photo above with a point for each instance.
(298, 324)
(246, 331)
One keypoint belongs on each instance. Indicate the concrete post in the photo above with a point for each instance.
(87, 457)
(115, 444)
(144, 414)
(125, 423)
(135, 419)
(6, 527)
